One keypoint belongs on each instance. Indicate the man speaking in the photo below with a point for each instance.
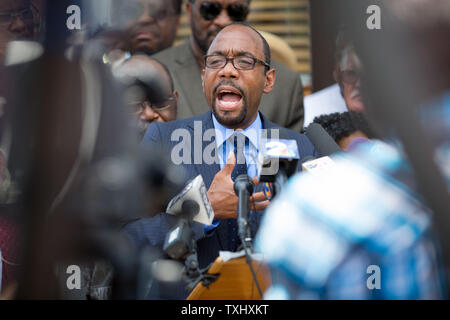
(237, 73)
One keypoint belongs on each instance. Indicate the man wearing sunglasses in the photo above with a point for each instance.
(17, 22)
(283, 106)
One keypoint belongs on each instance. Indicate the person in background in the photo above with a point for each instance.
(156, 99)
(149, 25)
(348, 72)
(18, 21)
(345, 94)
(345, 127)
(283, 106)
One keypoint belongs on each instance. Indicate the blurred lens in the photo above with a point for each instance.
(237, 12)
(210, 10)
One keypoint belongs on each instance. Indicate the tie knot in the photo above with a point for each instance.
(239, 141)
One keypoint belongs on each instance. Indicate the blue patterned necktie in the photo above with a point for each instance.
(239, 143)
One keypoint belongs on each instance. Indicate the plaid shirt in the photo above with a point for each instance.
(325, 233)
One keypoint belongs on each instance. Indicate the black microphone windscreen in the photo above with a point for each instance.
(322, 141)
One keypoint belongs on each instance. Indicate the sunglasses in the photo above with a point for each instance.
(236, 11)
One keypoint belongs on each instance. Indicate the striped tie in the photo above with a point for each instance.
(239, 143)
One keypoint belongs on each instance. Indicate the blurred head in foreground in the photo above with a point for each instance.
(149, 94)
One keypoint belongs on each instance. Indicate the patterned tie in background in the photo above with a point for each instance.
(239, 143)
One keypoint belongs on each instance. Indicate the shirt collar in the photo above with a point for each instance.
(252, 132)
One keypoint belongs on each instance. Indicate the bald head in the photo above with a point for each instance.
(149, 90)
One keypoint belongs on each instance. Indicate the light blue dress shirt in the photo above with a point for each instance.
(225, 146)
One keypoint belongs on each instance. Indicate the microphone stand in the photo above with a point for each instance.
(243, 187)
(193, 274)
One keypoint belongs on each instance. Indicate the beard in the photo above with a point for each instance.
(227, 119)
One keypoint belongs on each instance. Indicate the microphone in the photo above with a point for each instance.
(322, 141)
(318, 166)
(277, 161)
(189, 205)
(243, 187)
(196, 192)
(179, 241)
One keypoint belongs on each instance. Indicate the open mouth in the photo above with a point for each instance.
(228, 98)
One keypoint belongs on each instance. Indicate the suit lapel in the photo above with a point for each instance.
(188, 77)
(270, 126)
(208, 171)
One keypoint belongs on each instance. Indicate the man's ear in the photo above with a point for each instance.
(270, 81)
(203, 77)
(175, 93)
(189, 9)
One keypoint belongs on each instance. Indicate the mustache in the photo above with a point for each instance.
(230, 84)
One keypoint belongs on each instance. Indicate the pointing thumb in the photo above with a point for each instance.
(231, 162)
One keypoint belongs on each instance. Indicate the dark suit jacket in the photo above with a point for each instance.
(284, 105)
(152, 231)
